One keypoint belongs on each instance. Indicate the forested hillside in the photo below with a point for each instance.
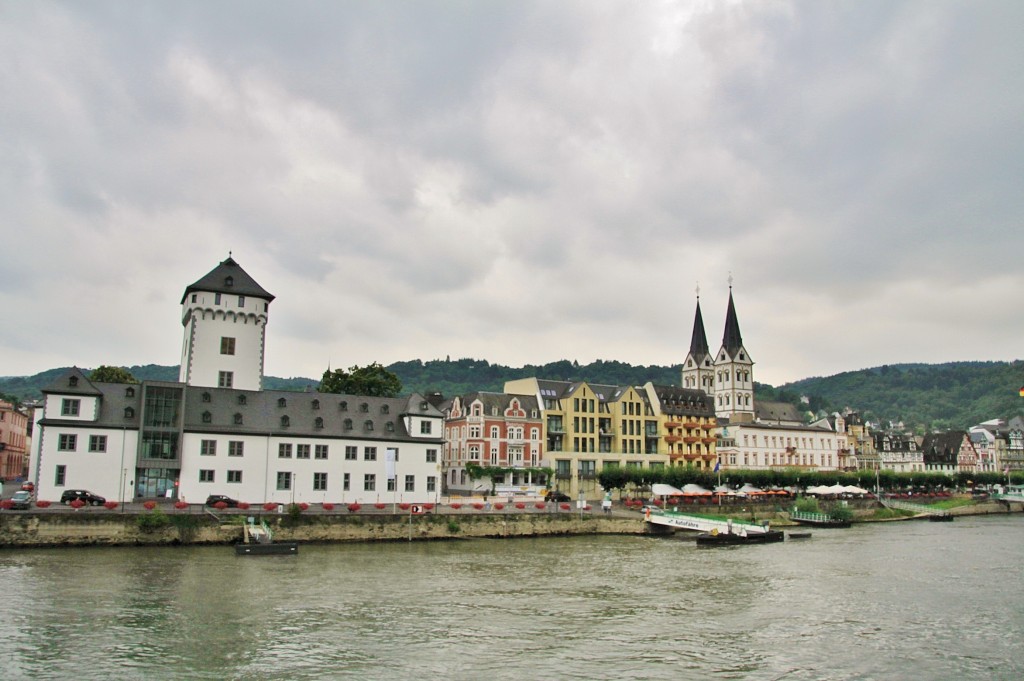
(923, 396)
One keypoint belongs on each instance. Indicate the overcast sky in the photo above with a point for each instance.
(515, 181)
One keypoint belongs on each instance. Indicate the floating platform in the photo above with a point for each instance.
(941, 517)
(799, 535)
(727, 539)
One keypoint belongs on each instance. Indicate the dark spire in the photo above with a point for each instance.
(732, 340)
(699, 341)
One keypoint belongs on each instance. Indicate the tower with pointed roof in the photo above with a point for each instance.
(698, 371)
(734, 372)
(224, 315)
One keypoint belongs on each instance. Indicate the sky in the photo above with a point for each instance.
(521, 182)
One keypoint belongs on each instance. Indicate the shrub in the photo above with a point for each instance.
(43, 503)
(808, 505)
(243, 505)
(270, 506)
(354, 508)
(180, 505)
(149, 505)
(328, 506)
(520, 505)
(456, 506)
(453, 527)
(152, 521)
(499, 506)
(841, 513)
(110, 505)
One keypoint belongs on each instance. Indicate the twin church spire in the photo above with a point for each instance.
(728, 376)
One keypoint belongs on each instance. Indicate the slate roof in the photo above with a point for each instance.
(732, 340)
(676, 401)
(500, 401)
(73, 382)
(943, 448)
(228, 277)
(699, 340)
(777, 411)
(115, 400)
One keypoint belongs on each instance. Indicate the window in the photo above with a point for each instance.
(129, 392)
(241, 301)
(368, 424)
(369, 482)
(389, 426)
(216, 299)
(343, 406)
(284, 480)
(241, 399)
(431, 456)
(236, 448)
(351, 452)
(346, 482)
(227, 345)
(193, 297)
(316, 404)
(284, 450)
(238, 419)
(364, 407)
(234, 476)
(285, 421)
(410, 483)
(320, 452)
(97, 443)
(205, 475)
(425, 427)
(59, 476)
(392, 485)
(207, 417)
(431, 483)
(69, 407)
(67, 443)
(319, 423)
(369, 454)
(348, 424)
(225, 379)
(282, 402)
(302, 451)
(384, 409)
(319, 481)
(206, 397)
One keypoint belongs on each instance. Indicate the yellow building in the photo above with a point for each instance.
(686, 420)
(589, 427)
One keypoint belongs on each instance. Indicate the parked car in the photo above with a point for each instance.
(22, 500)
(557, 496)
(28, 486)
(214, 499)
(83, 495)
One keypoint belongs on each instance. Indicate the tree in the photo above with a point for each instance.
(373, 380)
(111, 374)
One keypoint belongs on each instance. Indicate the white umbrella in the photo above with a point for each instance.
(660, 490)
(695, 490)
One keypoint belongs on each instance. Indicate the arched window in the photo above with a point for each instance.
(207, 417)
(384, 409)
(348, 424)
(368, 424)
(285, 421)
(129, 392)
(343, 405)
(282, 402)
(206, 397)
(238, 419)
(316, 404)
(364, 407)
(241, 399)
(129, 412)
(319, 423)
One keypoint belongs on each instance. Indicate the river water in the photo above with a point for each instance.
(882, 601)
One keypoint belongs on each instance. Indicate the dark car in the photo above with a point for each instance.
(21, 501)
(82, 495)
(215, 499)
(557, 496)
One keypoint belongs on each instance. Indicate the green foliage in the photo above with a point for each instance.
(808, 505)
(152, 521)
(453, 527)
(111, 374)
(840, 512)
(372, 380)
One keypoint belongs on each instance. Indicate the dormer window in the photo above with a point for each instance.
(316, 404)
(390, 427)
(285, 421)
(282, 402)
(129, 392)
(129, 412)
(426, 405)
(73, 381)
(364, 407)
(319, 423)
(229, 281)
(368, 425)
(348, 424)
(241, 399)
(238, 419)
(343, 406)
(206, 397)
(207, 417)
(384, 409)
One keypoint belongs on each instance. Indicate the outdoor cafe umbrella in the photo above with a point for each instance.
(693, 490)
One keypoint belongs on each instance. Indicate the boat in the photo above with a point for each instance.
(716, 538)
(799, 535)
(941, 517)
(258, 540)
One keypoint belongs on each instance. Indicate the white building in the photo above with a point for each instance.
(218, 432)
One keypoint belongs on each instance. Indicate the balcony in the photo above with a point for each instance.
(691, 457)
(692, 424)
(673, 424)
(708, 440)
(691, 439)
(672, 439)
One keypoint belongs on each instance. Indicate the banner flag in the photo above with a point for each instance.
(718, 465)
(389, 462)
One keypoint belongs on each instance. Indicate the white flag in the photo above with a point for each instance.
(389, 462)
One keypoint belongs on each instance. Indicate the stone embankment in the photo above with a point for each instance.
(93, 528)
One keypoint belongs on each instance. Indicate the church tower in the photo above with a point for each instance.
(734, 372)
(225, 320)
(698, 371)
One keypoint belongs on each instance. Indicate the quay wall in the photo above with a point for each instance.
(96, 528)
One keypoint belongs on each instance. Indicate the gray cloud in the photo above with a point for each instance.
(516, 181)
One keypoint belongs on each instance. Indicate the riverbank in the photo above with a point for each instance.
(97, 527)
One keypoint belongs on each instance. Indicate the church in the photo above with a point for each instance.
(217, 431)
(757, 434)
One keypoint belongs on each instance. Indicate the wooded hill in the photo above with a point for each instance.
(922, 396)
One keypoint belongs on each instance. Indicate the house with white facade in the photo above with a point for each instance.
(217, 431)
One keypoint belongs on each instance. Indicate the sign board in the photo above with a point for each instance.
(416, 510)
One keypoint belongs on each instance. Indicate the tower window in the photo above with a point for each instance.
(227, 345)
(216, 299)
(225, 379)
(241, 301)
(282, 402)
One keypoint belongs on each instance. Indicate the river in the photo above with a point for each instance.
(877, 601)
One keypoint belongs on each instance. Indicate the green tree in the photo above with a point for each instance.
(111, 374)
(373, 380)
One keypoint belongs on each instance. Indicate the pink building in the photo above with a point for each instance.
(13, 438)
